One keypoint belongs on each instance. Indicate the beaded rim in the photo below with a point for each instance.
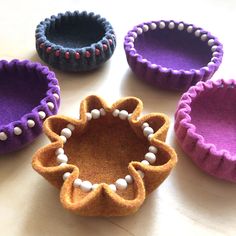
(154, 175)
(48, 105)
(186, 131)
(202, 73)
(122, 183)
(83, 58)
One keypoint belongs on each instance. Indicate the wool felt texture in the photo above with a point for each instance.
(102, 151)
(75, 41)
(205, 127)
(25, 89)
(172, 58)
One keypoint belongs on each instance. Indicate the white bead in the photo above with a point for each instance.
(17, 131)
(144, 125)
(62, 158)
(211, 64)
(95, 186)
(145, 28)
(86, 186)
(131, 44)
(197, 33)
(42, 114)
(30, 123)
(181, 26)
(215, 54)
(3, 136)
(123, 115)
(88, 115)
(112, 187)
(139, 30)
(50, 105)
(71, 127)
(204, 37)
(77, 183)
(190, 29)
(150, 136)
(66, 175)
(150, 157)
(152, 149)
(214, 59)
(134, 35)
(145, 162)
(131, 39)
(56, 96)
(129, 179)
(141, 173)
(171, 25)
(102, 112)
(153, 26)
(213, 49)
(66, 132)
(115, 113)
(63, 164)
(162, 25)
(147, 131)
(211, 42)
(95, 113)
(63, 138)
(59, 151)
(121, 184)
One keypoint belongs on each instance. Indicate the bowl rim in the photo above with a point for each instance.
(146, 65)
(47, 106)
(203, 153)
(102, 48)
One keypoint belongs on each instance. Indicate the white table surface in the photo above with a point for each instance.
(189, 202)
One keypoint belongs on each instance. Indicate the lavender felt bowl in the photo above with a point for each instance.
(75, 41)
(29, 93)
(172, 55)
(205, 127)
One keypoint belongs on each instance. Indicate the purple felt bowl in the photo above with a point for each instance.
(29, 93)
(172, 55)
(206, 129)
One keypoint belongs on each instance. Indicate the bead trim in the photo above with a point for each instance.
(121, 183)
(211, 41)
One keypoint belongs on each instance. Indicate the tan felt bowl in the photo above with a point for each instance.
(102, 151)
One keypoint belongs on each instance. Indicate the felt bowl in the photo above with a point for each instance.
(172, 55)
(29, 93)
(205, 127)
(99, 162)
(75, 41)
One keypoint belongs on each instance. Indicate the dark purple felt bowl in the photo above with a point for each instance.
(172, 55)
(29, 93)
(205, 126)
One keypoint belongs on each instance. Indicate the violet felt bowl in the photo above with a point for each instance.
(75, 41)
(172, 55)
(205, 127)
(29, 93)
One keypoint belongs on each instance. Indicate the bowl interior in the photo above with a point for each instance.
(173, 49)
(19, 94)
(213, 113)
(75, 31)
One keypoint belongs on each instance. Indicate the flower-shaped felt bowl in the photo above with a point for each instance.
(205, 127)
(75, 41)
(29, 94)
(109, 160)
(172, 55)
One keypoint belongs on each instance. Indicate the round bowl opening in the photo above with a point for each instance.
(173, 49)
(75, 31)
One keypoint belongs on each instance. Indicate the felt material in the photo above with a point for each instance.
(205, 127)
(25, 89)
(102, 151)
(75, 41)
(175, 59)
